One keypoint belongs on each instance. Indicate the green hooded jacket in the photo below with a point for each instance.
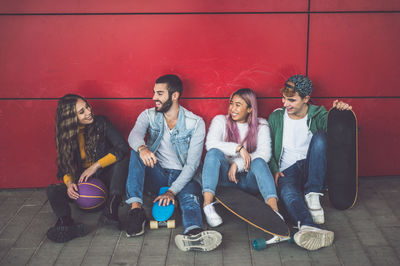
(316, 120)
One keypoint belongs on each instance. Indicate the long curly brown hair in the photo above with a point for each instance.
(67, 128)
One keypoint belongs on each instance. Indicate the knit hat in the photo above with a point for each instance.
(302, 85)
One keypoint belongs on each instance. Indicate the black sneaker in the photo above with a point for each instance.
(63, 233)
(136, 222)
(110, 212)
(202, 241)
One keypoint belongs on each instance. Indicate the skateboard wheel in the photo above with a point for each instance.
(153, 225)
(170, 224)
(259, 244)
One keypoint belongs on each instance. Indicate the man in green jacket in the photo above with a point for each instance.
(298, 162)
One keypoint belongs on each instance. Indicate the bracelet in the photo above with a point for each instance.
(142, 148)
(170, 192)
(240, 149)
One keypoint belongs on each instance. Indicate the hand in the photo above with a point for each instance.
(72, 190)
(165, 198)
(148, 158)
(246, 158)
(232, 173)
(341, 105)
(89, 172)
(277, 176)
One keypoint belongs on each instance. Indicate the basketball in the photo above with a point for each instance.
(92, 194)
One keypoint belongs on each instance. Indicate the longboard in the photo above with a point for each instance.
(253, 211)
(162, 214)
(342, 161)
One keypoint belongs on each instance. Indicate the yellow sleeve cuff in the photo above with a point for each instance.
(107, 160)
(67, 178)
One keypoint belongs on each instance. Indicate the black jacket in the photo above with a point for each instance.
(110, 141)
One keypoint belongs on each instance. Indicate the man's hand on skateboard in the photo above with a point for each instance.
(166, 198)
(341, 105)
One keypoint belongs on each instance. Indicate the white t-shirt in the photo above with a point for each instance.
(295, 142)
(165, 153)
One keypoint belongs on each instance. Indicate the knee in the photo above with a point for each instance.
(213, 154)
(134, 155)
(189, 201)
(52, 191)
(258, 163)
(319, 140)
(135, 159)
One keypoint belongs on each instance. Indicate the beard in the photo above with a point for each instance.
(165, 106)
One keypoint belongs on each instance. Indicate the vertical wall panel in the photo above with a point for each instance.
(355, 5)
(355, 54)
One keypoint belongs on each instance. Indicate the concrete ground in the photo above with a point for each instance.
(367, 234)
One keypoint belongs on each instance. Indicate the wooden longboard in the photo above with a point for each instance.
(253, 211)
(342, 158)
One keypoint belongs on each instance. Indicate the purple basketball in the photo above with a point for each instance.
(92, 194)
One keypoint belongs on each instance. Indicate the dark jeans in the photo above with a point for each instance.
(113, 176)
(151, 180)
(304, 176)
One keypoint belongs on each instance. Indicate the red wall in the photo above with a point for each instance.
(112, 51)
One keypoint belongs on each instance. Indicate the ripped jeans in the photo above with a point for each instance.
(152, 179)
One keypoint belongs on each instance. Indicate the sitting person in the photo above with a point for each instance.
(298, 132)
(170, 158)
(238, 150)
(87, 146)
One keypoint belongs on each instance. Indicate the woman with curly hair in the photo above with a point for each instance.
(238, 149)
(87, 146)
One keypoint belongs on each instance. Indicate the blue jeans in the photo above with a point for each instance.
(257, 179)
(152, 179)
(304, 176)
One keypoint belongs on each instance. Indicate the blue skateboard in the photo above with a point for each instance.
(162, 214)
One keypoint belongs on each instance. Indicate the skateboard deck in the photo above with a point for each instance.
(162, 214)
(253, 211)
(342, 161)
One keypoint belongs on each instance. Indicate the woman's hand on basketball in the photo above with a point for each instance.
(341, 105)
(72, 190)
(148, 158)
(246, 158)
(277, 176)
(166, 198)
(89, 172)
(232, 173)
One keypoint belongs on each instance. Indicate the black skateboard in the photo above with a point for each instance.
(253, 211)
(342, 156)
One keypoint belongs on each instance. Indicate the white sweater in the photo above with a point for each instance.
(216, 139)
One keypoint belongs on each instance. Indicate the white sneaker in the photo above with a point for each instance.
(312, 238)
(314, 206)
(203, 241)
(212, 217)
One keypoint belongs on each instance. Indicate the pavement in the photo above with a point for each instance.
(364, 235)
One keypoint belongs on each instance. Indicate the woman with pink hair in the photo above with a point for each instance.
(238, 150)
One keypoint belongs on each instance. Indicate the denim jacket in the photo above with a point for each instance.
(187, 138)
